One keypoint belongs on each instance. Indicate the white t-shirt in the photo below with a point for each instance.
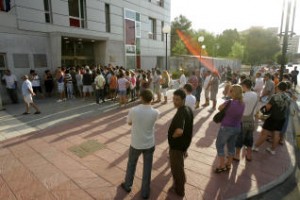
(122, 84)
(36, 81)
(25, 88)
(182, 80)
(190, 101)
(250, 98)
(259, 84)
(10, 81)
(143, 118)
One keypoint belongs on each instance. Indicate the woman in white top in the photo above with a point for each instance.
(259, 83)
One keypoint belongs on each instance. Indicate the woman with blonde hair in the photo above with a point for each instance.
(230, 127)
(165, 80)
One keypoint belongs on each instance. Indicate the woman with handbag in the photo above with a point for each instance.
(230, 128)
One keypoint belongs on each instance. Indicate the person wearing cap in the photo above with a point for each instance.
(27, 93)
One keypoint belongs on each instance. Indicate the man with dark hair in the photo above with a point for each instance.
(245, 138)
(142, 118)
(294, 75)
(179, 137)
(277, 107)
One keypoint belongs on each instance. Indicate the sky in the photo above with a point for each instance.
(218, 15)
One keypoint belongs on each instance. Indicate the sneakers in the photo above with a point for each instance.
(270, 151)
(59, 100)
(256, 149)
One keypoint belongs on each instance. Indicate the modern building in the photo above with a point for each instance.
(45, 34)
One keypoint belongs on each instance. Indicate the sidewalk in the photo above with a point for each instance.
(45, 163)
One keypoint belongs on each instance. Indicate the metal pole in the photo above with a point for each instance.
(167, 51)
(200, 57)
(285, 42)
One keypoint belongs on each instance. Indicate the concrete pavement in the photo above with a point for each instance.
(40, 165)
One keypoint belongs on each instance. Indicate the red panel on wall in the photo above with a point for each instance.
(74, 22)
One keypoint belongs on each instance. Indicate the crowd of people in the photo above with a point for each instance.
(245, 97)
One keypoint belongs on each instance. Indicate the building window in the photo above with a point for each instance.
(107, 17)
(77, 13)
(152, 28)
(47, 8)
(5, 5)
(40, 60)
(160, 3)
(21, 60)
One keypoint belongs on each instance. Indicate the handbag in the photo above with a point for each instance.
(248, 121)
(264, 114)
(221, 114)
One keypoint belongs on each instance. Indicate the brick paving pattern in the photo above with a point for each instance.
(40, 165)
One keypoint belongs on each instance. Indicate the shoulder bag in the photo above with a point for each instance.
(221, 114)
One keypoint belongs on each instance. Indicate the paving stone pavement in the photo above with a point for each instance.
(39, 165)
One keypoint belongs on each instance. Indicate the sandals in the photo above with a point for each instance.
(220, 170)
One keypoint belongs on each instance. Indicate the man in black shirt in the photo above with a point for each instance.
(179, 137)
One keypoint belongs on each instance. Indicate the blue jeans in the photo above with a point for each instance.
(131, 166)
(198, 93)
(227, 135)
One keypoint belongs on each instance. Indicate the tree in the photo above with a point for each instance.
(261, 46)
(226, 40)
(179, 48)
(237, 51)
(183, 24)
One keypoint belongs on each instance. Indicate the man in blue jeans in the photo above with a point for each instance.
(142, 118)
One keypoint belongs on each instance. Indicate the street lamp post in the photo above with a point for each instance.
(200, 40)
(166, 30)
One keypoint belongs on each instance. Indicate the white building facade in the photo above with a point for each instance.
(45, 34)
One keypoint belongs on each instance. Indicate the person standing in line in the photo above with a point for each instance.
(79, 83)
(198, 89)
(142, 118)
(157, 79)
(87, 81)
(182, 79)
(99, 86)
(36, 83)
(294, 75)
(206, 88)
(259, 84)
(60, 75)
(165, 80)
(11, 86)
(277, 107)
(27, 93)
(179, 138)
(230, 128)
(214, 87)
(69, 84)
(269, 88)
(48, 82)
(123, 84)
(250, 99)
(190, 99)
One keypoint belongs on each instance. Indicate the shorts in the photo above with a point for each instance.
(156, 89)
(122, 92)
(273, 124)
(87, 88)
(28, 99)
(60, 87)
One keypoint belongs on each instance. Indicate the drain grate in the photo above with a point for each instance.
(86, 148)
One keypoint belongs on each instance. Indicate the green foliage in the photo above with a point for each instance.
(179, 49)
(226, 41)
(176, 74)
(237, 51)
(261, 46)
(183, 24)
